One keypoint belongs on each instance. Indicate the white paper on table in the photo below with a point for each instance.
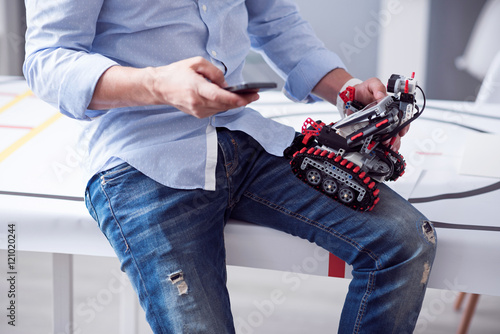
(460, 199)
(481, 157)
(405, 184)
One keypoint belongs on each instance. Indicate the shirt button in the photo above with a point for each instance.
(214, 53)
(204, 7)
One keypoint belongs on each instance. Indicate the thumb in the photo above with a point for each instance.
(378, 95)
(211, 72)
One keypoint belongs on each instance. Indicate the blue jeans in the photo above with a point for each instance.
(170, 242)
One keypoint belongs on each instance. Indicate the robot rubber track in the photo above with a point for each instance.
(347, 159)
(340, 178)
(336, 177)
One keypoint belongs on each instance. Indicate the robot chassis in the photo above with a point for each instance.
(345, 160)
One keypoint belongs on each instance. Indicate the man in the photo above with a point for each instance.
(173, 156)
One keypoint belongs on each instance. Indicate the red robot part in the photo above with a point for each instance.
(311, 128)
(348, 94)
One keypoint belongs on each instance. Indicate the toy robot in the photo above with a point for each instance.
(345, 160)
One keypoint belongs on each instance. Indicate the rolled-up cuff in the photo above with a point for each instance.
(308, 72)
(78, 84)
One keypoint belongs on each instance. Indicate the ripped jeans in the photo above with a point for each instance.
(170, 242)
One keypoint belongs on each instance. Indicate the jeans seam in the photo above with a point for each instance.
(364, 301)
(229, 168)
(131, 254)
(234, 165)
(314, 223)
(91, 206)
(113, 215)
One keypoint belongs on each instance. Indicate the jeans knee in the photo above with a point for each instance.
(417, 250)
(423, 251)
(414, 245)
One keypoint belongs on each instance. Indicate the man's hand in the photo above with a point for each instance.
(193, 85)
(368, 91)
(372, 90)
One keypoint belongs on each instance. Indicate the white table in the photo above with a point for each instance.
(41, 192)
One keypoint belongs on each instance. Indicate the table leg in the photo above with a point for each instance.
(62, 268)
(129, 308)
(469, 312)
(459, 301)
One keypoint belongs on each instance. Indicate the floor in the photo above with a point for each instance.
(263, 301)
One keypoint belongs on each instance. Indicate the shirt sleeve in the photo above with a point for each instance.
(290, 46)
(60, 66)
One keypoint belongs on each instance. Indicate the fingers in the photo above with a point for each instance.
(195, 86)
(394, 143)
(370, 90)
(378, 95)
(213, 99)
(217, 95)
(377, 88)
(214, 96)
(404, 130)
(209, 71)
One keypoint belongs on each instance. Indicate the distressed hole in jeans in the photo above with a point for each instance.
(428, 231)
(427, 270)
(177, 279)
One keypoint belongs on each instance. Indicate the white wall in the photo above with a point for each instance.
(12, 25)
(349, 28)
(3, 37)
(450, 26)
(404, 39)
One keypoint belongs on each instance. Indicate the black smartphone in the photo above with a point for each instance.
(251, 87)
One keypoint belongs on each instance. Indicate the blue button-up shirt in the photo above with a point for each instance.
(71, 43)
